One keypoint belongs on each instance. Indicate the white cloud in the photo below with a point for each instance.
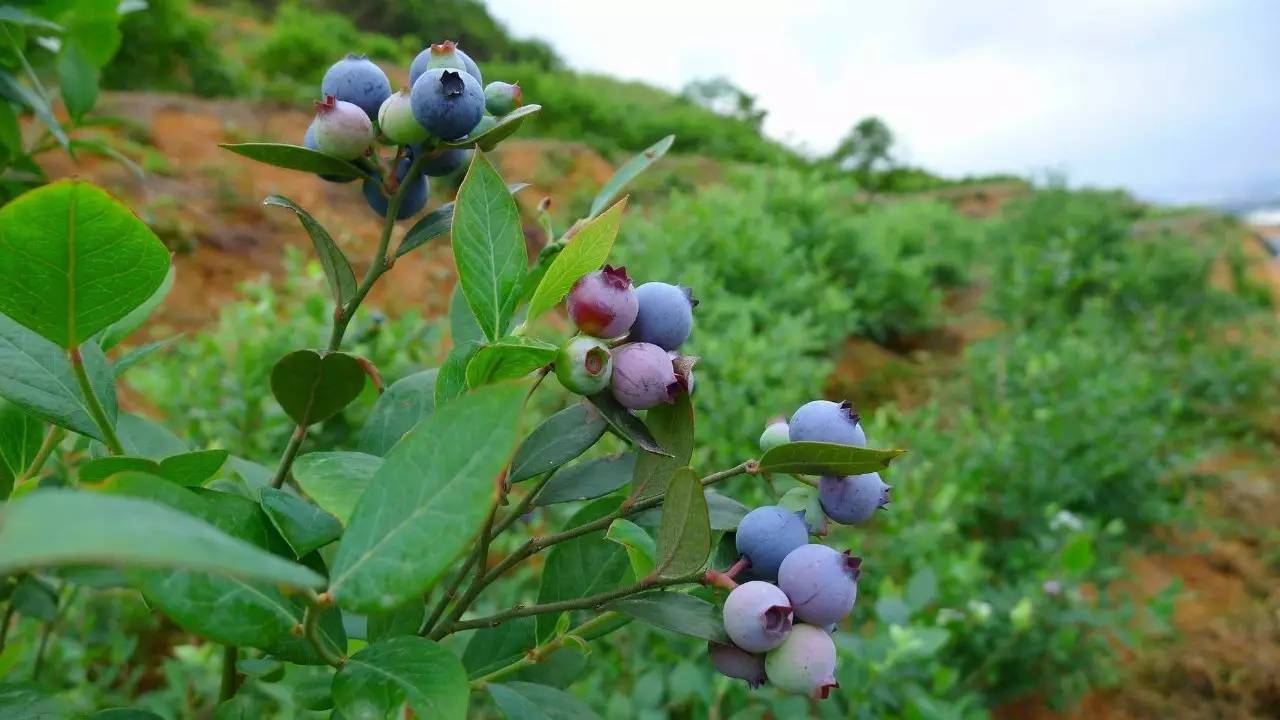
(1175, 99)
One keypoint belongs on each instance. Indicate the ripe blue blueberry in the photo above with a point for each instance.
(446, 162)
(415, 196)
(643, 376)
(309, 142)
(768, 534)
(356, 79)
(757, 616)
(853, 499)
(830, 422)
(603, 303)
(665, 315)
(821, 583)
(732, 661)
(501, 98)
(341, 129)
(448, 103)
(805, 662)
(396, 120)
(446, 54)
(775, 434)
(584, 365)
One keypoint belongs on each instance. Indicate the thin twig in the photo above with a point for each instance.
(51, 441)
(230, 680)
(311, 630)
(540, 652)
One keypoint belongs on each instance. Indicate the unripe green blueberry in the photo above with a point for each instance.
(775, 434)
(396, 120)
(342, 129)
(805, 662)
(501, 98)
(584, 365)
(487, 123)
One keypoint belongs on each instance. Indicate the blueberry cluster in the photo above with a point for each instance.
(655, 319)
(781, 619)
(445, 101)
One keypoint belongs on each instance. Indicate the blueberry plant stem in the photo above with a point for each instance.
(51, 441)
(290, 452)
(311, 631)
(540, 653)
(93, 404)
(230, 682)
(4, 624)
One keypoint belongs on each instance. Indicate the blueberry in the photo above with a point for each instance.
(683, 365)
(643, 376)
(805, 662)
(775, 433)
(446, 162)
(356, 79)
(821, 583)
(757, 616)
(341, 129)
(732, 661)
(415, 196)
(396, 120)
(584, 365)
(665, 315)
(830, 422)
(501, 98)
(447, 55)
(853, 499)
(448, 103)
(603, 303)
(767, 535)
(309, 142)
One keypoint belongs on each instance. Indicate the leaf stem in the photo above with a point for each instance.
(95, 406)
(540, 652)
(290, 452)
(51, 441)
(230, 681)
(4, 624)
(311, 631)
(64, 599)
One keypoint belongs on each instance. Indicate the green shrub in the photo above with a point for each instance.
(165, 47)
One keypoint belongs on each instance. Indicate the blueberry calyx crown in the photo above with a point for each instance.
(688, 293)
(595, 361)
(445, 48)
(853, 414)
(853, 564)
(326, 105)
(357, 56)
(451, 83)
(616, 277)
(777, 621)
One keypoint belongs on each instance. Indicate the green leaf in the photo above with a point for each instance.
(817, 458)
(124, 714)
(26, 97)
(677, 612)
(428, 500)
(17, 16)
(25, 701)
(805, 499)
(723, 511)
(628, 172)
(488, 247)
(407, 401)
(377, 681)
(313, 694)
(922, 588)
(559, 439)
(491, 648)
(312, 387)
(137, 355)
(462, 324)
(337, 269)
(640, 546)
(36, 376)
(403, 620)
(507, 358)
(584, 253)
(506, 125)
(144, 438)
(530, 701)
(1077, 557)
(94, 25)
(34, 598)
(264, 669)
(437, 224)
(295, 157)
(20, 438)
(336, 480)
(588, 479)
(303, 525)
(91, 532)
(77, 79)
(626, 424)
(452, 379)
(684, 536)
(582, 566)
(190, 469)
(672, 428)
(75, 260)
(120, 329)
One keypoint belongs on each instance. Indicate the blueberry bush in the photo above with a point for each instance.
(358, 573)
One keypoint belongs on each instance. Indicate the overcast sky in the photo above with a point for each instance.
(1175, 99)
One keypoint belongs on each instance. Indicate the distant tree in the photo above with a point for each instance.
(724, 98)
(866, 148)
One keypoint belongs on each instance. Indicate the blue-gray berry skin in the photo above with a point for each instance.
(665, 315)
(422, 62)
(359, 81)
(309, 142)
(852, 499)
(643, 376)
(446, 163)
(415, 196)
(767, 535)
(826, 421)
(448, 103)
(732, 661)
(757, 616)
(821, 583)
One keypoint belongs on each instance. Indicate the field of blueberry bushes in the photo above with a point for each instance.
(1082, 524)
